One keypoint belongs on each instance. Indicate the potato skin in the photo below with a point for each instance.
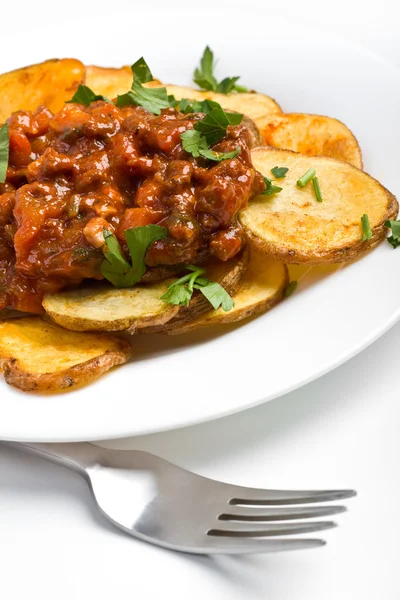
(75, 376)
(264, 224)
(39, 356)
(312, 135)
(50, 83)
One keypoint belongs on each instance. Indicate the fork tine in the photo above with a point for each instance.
(234, 529)
(255, 496)
(250, 513)
(235, 545)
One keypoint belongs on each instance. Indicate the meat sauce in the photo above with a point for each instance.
(86, 169)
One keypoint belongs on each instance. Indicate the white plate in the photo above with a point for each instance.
(178, 381)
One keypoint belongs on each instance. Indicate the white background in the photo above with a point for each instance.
(340, 431)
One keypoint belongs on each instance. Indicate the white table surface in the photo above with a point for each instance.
(340, 431)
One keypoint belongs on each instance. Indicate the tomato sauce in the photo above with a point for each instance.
(86, 169)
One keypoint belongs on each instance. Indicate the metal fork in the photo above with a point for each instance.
(163, 504)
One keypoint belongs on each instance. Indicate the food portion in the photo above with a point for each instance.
(100, 308)
(49, 84)
(334, 220)
(312, 135)
(262, 286)
(37, 356)
(129, 206)
(94, 168)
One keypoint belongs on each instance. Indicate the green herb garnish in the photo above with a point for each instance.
(367, 233)
(306, 178)
(270, 188)
(180, 292)
(209, 131)
(196, 144)
(4, 152)
(116, 268)
(317, 189)
(279, 172)
(152, 99)
(290, 289)
(205, 79)
(191, 106)
(215, 123)
(84, 95)
(394, 239)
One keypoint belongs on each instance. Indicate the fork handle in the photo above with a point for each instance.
(76, 456)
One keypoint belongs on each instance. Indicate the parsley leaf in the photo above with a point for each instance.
(394, 239)
(193, 142)
(203, 75)
(141, 71)
(290, 289)
(196, 144)
(270, 188)
(84, 95)
(152, 99)
(367, 233)
(4, 152)
(205, 79)
(180, 292)
(219, 156)
(215, 123)
(215, 294)
(115, 267)
(279, 172)
(190, 106)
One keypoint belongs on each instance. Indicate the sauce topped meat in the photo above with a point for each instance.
(86, 169)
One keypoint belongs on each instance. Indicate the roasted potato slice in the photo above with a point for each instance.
(105, 308)
(111, 82)
(313, 135)
(261, 288)
(293, 227)
(228, 274)
(252, 104)
(37, 356)
(49, 83)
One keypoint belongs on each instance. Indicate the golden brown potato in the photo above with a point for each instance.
(261, 288)
(228, 274)
(49, 83)
(313, 135)
(105, 308)
(37, 356)
(293, 227)
(252, 104)
(111, 82)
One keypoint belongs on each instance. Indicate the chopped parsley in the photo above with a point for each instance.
(152, 99)
(196, 144)
(116, 268)
(205, 78)
(4, 152)
(215, 123)
(394, 239)
(209, 131)
(84, 95)
(180, 292)
(279, 172)
(270, 188)
(191, 106)
(367, 233)
(291, 288)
